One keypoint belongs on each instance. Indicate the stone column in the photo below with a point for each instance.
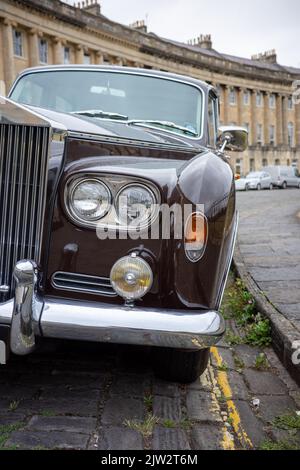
(267, 117)
(226, 105)
(285, 120)
(58, 51)
(119, 61)
(253, 121)
(99, 58)
(34, 58)
(279, 135)
(240, 105)
(8, 56)
(297, 133)
(79, 53)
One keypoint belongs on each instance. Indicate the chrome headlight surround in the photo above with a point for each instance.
(70, 191)
(115, 184)
(144, 222)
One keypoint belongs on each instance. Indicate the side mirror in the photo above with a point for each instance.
(233, 139)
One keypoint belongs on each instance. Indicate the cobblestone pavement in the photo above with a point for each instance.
(87, 396)
(269, 235)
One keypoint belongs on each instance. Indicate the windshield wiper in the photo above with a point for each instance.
(169, 124)
(99, 113)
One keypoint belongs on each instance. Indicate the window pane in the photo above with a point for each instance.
(18, 43)
(135, 96)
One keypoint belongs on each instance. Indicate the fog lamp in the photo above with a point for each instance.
(131, 277)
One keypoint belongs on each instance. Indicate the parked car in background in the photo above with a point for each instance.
(284, 176)
(259, 180)
(89, 157)
(241, 184)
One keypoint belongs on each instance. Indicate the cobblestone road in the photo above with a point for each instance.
(84, 396)
(269, 236)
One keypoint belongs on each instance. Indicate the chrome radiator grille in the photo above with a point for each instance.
(23, 172)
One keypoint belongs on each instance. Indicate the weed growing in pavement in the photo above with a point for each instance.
(259, 332)
(145, 427)
(223, 367)
(232, 339)
(287, 422)
(279, 445)
(239, 363)
(6, 430)
(13, 405)
(240, 305)
(168, 423)
(261, 362)
(148, 402)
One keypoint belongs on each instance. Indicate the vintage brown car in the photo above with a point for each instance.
(118, 215)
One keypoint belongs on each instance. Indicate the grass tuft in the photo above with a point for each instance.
(145, 427)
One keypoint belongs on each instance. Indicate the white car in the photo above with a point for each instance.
(259, 180)
(242, 184)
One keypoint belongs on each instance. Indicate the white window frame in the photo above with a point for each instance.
(232, 94)
(259, 99)
(259, 133)
(291, 134)
(43, 42)
(272, 101)
(246, 97)
(20, 45)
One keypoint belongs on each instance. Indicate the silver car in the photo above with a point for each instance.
(284, 176)
(259, 180)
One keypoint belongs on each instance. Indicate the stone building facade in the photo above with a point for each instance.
(255, 93)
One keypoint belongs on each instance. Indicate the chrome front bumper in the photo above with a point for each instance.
(31, 316)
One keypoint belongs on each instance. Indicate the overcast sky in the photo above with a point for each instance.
(237, 27)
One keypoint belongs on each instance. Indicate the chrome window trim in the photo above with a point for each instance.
(131, 180)
(135, 142)
(127, 72)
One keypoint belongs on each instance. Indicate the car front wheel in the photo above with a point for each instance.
(178, 365)
(258, 187)
(284, 185)
(271, 187)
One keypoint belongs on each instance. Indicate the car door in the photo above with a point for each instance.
(265, 183)
(294, 178)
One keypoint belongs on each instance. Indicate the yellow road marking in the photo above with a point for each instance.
(233, 413)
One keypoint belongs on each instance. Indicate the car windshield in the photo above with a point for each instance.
(254, 175)
(163, 103)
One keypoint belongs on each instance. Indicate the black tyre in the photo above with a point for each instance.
(178, 365)
(246, 187)
(258, 187)
(284, 185)
(271, 187)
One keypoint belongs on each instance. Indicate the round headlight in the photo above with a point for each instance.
(135, 205)
(131, 277)
(89, 199)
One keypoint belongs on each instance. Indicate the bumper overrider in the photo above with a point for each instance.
(31, 315)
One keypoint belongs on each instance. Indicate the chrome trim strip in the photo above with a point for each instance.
(126, 72)
(229, 261)
(135, 142)
(140, 326)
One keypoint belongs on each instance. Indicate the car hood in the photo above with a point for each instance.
(110, 128)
